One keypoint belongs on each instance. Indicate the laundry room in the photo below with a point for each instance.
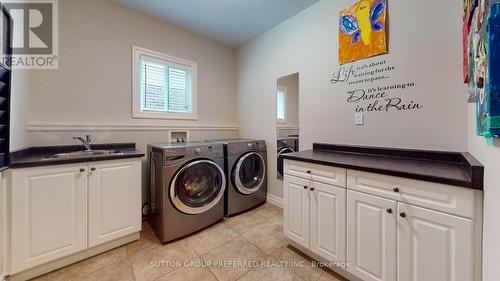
(225, 140)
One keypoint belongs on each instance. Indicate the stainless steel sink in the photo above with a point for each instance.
(83, 153)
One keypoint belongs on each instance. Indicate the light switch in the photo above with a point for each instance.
(359, 118)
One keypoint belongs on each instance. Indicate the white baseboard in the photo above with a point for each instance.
(67, 260)
(274, 200)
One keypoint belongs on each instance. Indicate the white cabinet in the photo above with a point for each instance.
(114, 200)
(371, 228)
(296, 210)
(430, 244)
(314, 216)
(387, 228)
(48, 214)
(328, 221)
(434, 246)
(48, 207)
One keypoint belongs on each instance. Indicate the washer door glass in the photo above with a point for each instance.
(249, 173)
(280, 159)
(197, 186)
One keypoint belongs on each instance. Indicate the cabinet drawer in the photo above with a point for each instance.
(320, 173)
(449, 199)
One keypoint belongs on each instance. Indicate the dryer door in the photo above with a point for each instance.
(197, 186)
(249, 173)
(280, 159)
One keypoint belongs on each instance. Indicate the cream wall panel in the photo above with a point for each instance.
(307, 43)
(93, 82)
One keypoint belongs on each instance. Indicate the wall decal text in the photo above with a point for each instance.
(379, 95)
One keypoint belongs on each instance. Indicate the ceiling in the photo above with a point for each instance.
(229, 22)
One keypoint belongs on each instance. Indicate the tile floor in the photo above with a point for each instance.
(253, 236)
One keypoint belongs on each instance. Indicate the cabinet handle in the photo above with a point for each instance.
(305, 186)
(395, 189)
(308, 171)
(82, 170)
(402, 214)
(92, 169)
(312, 188)
(389, 210)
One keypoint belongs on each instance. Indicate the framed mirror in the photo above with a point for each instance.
(287, 117)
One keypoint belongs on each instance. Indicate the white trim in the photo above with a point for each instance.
(274, 200)
(288, 127)
(137, 52)
(84, 126)
(67, 260)
(339, 270)
(171, 139)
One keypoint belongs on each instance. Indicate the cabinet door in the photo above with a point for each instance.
(296, 210)
(371, 237)
(434, 245)
(328, 217)
(114, 200)
(48, 214)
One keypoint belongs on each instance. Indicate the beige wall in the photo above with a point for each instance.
(489, 156)
(91, 92)
(291, 126)
(429, 54)
(93, 83)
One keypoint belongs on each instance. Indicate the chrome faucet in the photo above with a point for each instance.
(87, 142)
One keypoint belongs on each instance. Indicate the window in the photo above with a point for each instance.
(281, 102)
(164, 86)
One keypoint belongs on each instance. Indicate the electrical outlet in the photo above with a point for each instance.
(359, 118)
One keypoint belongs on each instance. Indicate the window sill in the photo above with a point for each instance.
(165, 116)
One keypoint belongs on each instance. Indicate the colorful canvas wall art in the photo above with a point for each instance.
(468, 18)
(474, 59)
(488, 100)
(466, 50)
(362, 31)
(483, 18)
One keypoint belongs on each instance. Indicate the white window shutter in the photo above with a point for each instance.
(165, 88)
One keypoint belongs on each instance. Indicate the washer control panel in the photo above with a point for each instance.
(181, 152)
(216, 150)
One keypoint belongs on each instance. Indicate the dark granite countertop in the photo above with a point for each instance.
(38, 155)
(453, 168)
